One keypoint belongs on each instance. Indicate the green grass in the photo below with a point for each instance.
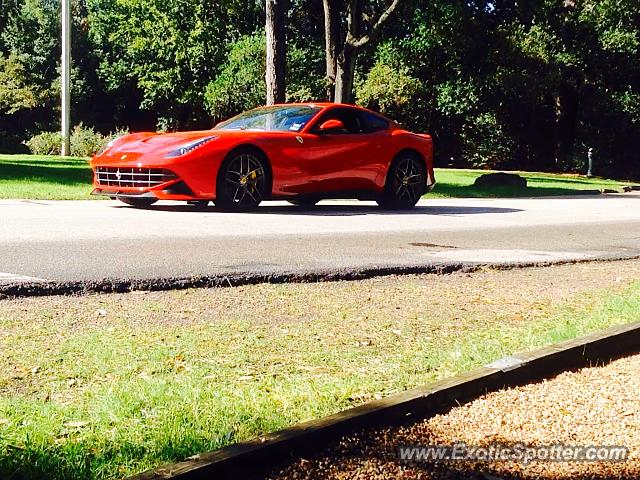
(459, 183)
(69, 178)
(105, 386)
(44, 178)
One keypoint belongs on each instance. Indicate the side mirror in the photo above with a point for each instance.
(331, 125)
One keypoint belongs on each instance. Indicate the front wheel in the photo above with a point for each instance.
(138, 202)
(242, 181)
(406, 182)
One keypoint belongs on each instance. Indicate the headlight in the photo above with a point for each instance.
(189, 147)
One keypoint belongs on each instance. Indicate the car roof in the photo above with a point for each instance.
(317, 104)
(327, 105)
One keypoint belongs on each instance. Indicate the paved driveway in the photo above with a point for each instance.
(94, 240)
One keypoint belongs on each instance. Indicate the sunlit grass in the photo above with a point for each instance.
(459, 183)
(44, 177)
(105, 388)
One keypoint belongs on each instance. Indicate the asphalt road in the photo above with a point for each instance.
(96, 240)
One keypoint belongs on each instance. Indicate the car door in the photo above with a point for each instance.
(338, 161)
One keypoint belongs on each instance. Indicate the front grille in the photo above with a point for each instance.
(132, 177)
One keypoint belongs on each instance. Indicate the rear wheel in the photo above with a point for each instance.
(406, 181)
(138, 202)
(242, 181)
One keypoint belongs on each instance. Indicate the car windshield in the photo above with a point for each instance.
(290, 118)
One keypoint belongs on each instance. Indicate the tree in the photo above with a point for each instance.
(276, 12)
(15, 93)
(239, 85)
(331, 39)
(163, 53)
(361, 30)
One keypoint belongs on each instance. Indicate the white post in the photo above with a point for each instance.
(66, 71)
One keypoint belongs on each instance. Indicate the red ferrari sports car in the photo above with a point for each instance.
(297, 152)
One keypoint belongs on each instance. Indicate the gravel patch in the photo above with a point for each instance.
(592, 406)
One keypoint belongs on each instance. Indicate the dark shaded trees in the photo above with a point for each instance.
(528, 84)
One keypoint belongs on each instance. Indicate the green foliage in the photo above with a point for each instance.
(389, 87)
(529, 85)
(484, 142)
(166, 49)
(45, 143)
(240, 84)
(15, 92)
(84, 141)
(458, 97)
(30, 36)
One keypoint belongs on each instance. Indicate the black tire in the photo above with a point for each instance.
(138, 202)
(243, 180)
(304, 202)
(406, 182)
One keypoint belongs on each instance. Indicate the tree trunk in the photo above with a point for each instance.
(346, 65)
(331, 39)
(345, 62)
(276, 51)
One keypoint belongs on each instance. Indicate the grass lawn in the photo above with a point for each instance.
(102, 386)
(459, 183)
(69, 178)
(44, 178)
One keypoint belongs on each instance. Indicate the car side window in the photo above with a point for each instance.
(352, 121)
(373, 123)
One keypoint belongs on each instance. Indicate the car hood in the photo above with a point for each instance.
(148, 142)
(129, 148)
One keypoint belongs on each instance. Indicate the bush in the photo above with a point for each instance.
(390, 88)
(84, 142)
(485, 144)
(45, 143)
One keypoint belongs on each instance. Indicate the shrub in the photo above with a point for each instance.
(390, 88)
(45, 143)
(119, 132)
(84, 142)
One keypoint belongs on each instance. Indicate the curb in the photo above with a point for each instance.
(41, 289)
(255, 458)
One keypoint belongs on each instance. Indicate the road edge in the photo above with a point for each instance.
(236, 279)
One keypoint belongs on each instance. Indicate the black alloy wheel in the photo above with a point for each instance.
(242, 182)
(406, 182)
